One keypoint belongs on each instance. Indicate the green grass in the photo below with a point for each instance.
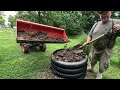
(14, 64)
(113, 71)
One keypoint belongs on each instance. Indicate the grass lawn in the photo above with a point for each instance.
(14, 64)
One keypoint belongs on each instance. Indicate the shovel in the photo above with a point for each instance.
(78, 46)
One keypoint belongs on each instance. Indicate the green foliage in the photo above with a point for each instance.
(116, 14)
(2, 20)
(12, 21)
(88, 19)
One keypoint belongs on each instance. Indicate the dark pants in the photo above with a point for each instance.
(103, 56)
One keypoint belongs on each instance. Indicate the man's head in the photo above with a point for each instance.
(104, 16)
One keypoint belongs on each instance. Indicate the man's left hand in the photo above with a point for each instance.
(116, 27)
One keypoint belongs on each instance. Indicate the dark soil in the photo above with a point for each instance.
(69, 55)
(32, 36)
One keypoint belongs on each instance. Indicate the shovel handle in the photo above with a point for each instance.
(93, 40)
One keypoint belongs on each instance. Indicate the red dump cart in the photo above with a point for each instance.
(34, 34)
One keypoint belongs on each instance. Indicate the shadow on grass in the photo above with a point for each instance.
(34, 49)
(106, 77)
(115, 63)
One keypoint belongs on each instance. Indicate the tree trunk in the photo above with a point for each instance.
(38, 16)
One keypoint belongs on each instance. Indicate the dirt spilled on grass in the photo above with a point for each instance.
(47, 74)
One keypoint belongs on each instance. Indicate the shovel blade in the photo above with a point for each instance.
(77, 46)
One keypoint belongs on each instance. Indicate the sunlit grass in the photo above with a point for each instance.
(14, 64)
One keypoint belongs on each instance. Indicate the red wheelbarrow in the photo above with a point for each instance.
(33, 34)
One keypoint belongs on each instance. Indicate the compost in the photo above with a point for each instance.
(69, 55)
(40, 36)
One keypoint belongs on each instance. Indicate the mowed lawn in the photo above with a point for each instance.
(14, 64)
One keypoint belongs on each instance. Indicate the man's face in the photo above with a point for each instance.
(104, 16)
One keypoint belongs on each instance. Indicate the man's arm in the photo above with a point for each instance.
(92, 29)
(89, 37)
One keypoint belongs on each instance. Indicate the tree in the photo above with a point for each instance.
(69, 20)
(12, 21)
(27, 15)
(116, 14)
(88, 19)
(2, 20)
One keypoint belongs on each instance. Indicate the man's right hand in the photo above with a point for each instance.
(85, 43)
(88, 40)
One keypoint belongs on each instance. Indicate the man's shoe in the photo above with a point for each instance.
(99, 76)
(90, 70)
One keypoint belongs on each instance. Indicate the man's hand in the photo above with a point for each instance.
(116, 27)
(88, 40)
(85, 43)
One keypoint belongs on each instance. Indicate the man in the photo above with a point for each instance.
(101, 49)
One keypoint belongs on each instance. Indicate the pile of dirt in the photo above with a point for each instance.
(69, 55)
(32, 36)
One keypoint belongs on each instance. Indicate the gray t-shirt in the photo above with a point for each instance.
(99, 29)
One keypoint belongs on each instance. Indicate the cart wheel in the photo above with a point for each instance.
(24, 48)
(42, 47)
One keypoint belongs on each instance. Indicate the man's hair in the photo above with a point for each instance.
(101, 12)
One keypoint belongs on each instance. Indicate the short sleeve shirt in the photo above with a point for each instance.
(99, 29)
